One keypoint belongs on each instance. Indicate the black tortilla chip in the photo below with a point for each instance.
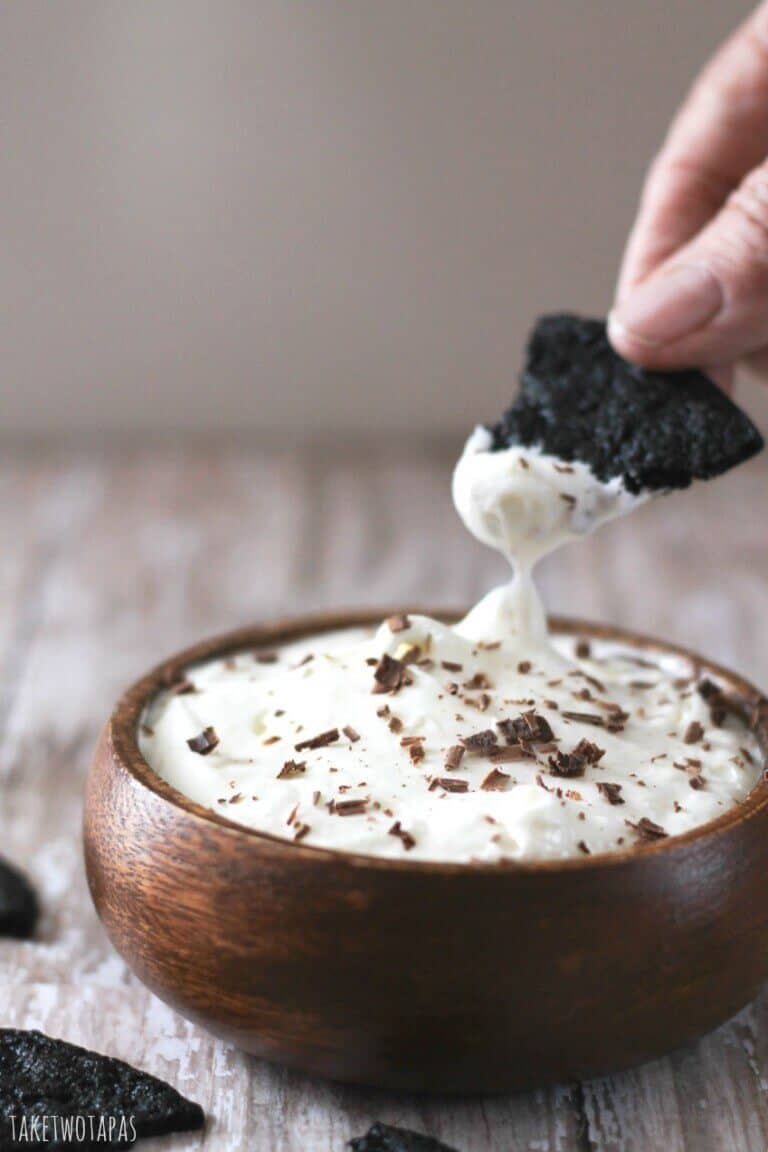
(19, 908)
(580, 400)
(42, 1077)
(384, 1138)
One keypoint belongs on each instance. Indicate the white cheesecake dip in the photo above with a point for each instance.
(484, 741)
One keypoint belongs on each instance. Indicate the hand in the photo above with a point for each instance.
(693, 288)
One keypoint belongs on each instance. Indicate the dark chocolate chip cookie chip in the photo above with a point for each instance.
(18, 903)
(78, 1093)
(384, 1138)
(580, 400)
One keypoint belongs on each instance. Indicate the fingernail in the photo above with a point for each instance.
(669, 305)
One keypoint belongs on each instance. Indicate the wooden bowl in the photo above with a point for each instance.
(424, 976)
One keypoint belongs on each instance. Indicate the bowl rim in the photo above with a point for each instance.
(123, 726)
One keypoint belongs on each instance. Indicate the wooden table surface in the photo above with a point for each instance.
(112, 559)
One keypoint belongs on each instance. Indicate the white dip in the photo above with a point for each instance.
(396, 771)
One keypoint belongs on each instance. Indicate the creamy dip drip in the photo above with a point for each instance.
(526, 504)
(482, 741)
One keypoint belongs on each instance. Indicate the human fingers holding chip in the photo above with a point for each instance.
(693, 289)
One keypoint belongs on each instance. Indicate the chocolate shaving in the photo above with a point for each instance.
(291, 769)
(389, 675)
(349, 807)
(639, 661)
(693, 733)
(720, 704)
(407, 741)
(495, 781)
(351, 734)
(399, 622)
(480, 741)
(302, 830)
(647, 829)
(582, 847)
(707, 689)
(320, 741)
(697, 782)
(408, 841)
(481, 702)
(513, 754)
(478, 681)
(508, 731)
(589, 751)
(617, 713)
(530, 727)
(613, 723)
(265, 657)
(395, 724)
(611, 792)
(449, 783)
(416, 752)
(451, 665)
(453, 757)
(205, 742)
(566, 764)
(524, 667)
(583, 649)
(580, 674)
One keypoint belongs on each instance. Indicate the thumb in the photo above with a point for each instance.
(708, 303)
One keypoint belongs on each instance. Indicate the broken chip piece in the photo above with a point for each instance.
(43, 1076)
(386, 1138)
(580, 400)
(19, 907)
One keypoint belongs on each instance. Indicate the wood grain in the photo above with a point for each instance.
(211, 539)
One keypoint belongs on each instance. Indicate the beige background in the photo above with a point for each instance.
(252, 216)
